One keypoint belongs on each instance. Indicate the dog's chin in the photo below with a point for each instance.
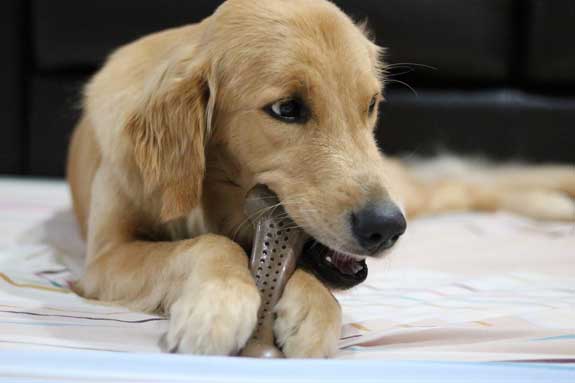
(334, 269)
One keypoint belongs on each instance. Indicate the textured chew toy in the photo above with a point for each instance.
(277, 245)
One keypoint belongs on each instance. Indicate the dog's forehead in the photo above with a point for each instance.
(323, 38)
(298, 46)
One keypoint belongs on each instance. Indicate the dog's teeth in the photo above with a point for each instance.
(356, 267)
(328, 258)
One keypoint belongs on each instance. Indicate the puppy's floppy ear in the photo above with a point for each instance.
(169, 130)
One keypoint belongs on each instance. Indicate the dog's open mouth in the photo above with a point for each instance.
(335, 269)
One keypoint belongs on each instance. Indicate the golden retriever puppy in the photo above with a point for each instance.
(177, 128)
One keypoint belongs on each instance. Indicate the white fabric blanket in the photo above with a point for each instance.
(460, 287)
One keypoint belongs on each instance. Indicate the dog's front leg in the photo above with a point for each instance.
(216, 310)
(203, 284)
(308, 323)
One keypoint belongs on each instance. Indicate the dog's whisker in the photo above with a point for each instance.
(249, 219)
(259, 213)
(399, 65)
(400, 73)
(405, 84)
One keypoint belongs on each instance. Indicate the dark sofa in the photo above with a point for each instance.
(503, 82)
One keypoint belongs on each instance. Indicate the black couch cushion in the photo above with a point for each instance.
(80, 34)
(500, 123)
(551, 42)
(468, 39)
(11, 83)
(54, 109)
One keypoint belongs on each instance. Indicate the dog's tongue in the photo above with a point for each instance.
(345, 264)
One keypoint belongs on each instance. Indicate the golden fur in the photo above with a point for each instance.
(173, 135)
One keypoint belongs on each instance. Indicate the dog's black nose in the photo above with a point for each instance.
(377, 227)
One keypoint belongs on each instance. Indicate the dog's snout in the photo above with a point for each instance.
(378, 226)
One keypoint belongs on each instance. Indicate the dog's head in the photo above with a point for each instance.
(290, 90)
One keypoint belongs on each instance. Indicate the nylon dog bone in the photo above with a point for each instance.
(276, 248)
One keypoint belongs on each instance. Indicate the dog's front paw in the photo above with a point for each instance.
(308, 323)
(216, 318)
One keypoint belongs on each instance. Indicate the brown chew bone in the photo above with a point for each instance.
(277, 245)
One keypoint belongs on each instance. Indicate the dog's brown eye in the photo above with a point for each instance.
(290, 111)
